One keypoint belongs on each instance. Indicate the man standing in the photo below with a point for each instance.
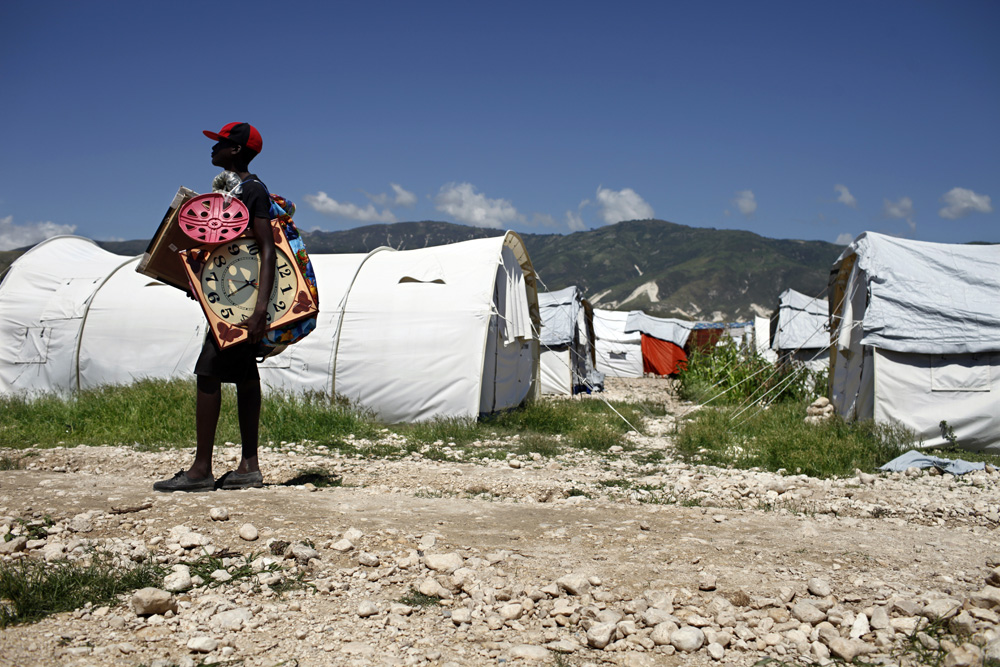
(237, 144)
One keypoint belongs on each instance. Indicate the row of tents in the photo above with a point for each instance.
(910, 332)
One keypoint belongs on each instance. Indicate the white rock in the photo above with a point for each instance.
(431, 587)
(178, 580)
(248, 532)
(461, 615)
(149, 601)
(600, 635)
(848, 649)
(819, 587)
(342, 545)
(221, 575)
(367, 608)
(966, 655)
(574, 584)
(529, 653)
(231, 620)
(880, 618)
(661, 633)
(941, 608)
(511, 612)
(202, 644)
(53, 551)
(368, 559)
(353, 535)
(219, 514)
(443, 562)
(860, 627)
(807, 613)
(707, 582)
(303, 552)
(687, 639)
(716, 651)
(191, 540)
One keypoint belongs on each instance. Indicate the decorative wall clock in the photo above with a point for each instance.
(223, 278)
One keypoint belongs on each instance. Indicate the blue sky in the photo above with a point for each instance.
(801, 120)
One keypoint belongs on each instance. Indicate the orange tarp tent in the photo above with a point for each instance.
(662, 357)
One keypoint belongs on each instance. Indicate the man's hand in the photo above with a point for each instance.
(256, 326)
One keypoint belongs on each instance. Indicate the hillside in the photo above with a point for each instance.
(663, 268)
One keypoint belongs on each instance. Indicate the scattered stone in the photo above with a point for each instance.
(202, 644)
(443, 562)
(529, 653)
(231, 620)
(248, 532)
(367, 608)
(368, 559)
(149, 601)
(219, 514)
(966, 655)
(819, 587)
(687, 639)
(716, 651)
(600, 635)
(178, 580)
(807, 613)
(574, 584)
(847, 649)
(342, 545)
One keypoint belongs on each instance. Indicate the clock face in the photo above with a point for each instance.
(229, 282)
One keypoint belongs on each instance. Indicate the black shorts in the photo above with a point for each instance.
(234, 364)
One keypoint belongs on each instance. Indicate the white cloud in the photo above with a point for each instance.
(544, 220)
(961, 202)
(746, 202)
(844, 239)
(844, 196)
(575, 222)
(464, 204)
(403, 197)
(18, 236)
(902, 209)
(324, 204)
(621, 205)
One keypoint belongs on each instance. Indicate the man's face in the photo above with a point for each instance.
(223, 153)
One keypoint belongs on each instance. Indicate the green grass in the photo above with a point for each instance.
(778, 438)
(154, 414)
(158, 413)
(32, 589)
(729, 375)
(415, 598)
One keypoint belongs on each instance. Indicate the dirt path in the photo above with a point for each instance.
(727, 537)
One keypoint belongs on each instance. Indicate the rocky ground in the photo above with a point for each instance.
(630, 558)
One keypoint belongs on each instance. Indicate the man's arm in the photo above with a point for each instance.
(256, 324)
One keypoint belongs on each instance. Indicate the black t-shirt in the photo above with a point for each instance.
(256, 198)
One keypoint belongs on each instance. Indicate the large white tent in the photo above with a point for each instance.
(412, 335)
(567, 339)
(800, 330)
(619, 354)
(917, 338)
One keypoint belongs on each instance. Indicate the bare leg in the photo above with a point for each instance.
(209, 403)
(248, 402)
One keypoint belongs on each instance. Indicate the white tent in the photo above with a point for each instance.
(800, 331)
(567, 359)
(619, 354)
(412, 335)
(917, 337)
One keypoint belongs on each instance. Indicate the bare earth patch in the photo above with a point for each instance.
(628, 558)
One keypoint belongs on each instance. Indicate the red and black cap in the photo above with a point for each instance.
(243, 134)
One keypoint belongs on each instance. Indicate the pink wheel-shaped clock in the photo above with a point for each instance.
(213, 218)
